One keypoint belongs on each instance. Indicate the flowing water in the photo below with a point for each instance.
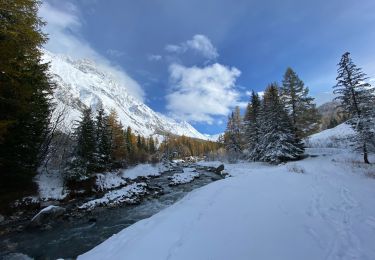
(68, 239)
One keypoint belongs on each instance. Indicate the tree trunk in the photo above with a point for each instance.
(365, 154)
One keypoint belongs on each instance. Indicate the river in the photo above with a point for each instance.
(68, 239)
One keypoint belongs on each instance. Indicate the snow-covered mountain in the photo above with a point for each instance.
(82, 83)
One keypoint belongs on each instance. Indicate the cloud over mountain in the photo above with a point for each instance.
(200, 93)
(200, 44)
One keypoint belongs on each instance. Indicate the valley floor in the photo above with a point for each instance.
(318, 208)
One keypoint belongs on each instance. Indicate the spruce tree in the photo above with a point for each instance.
(151, 145)
(278, 142)
(299, 105)
(233, 135)
(129, 142)
(103, 141)
(356, 97)
(82, 164)
(139, 142)
(252, 132)
(25, 91)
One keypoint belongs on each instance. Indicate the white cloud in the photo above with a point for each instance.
(63, 29)
(200, 44)
(154, 57)
(199, 94)
(175, 48)
(249, 93)
(115, 53)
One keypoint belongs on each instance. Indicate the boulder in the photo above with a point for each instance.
(47, 214)
(219, 169)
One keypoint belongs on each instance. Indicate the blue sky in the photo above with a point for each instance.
(195, 60)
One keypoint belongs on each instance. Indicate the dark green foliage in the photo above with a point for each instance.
(252, 124)
(25, 91)
(278, 142)
(83, 161)
(103, 140)
(300, 107)
(103, 145)
(357, 99)
(233, 135)
(129, 140)
(86, 142)
(151, 145)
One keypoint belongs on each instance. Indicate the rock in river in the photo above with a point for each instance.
(219, 169)
(46, 214)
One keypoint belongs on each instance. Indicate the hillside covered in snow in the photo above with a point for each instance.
(338, 137)
(82, 83)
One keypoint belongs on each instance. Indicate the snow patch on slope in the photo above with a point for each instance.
(337, 137)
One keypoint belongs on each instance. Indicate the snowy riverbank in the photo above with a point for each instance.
(318, 208)
(73, 227)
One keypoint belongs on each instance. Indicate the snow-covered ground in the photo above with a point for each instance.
(51, 186)
(128, 194)
(143, 170)
(322, 210)
(188, 175)
(108, 180)
(337, 137)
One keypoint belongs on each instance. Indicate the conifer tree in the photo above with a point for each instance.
(130, 144)
(300, 107)
(151, 145)
(252, 132)
(118, 151)
(82, 165)
(278, 142)
(357, 99)
(233, 135)
(25, 91)
(103, 141)
(139, 142)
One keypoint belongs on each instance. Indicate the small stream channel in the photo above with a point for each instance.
(68, 239)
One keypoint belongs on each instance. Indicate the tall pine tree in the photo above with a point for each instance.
(83, 161)
(278, 142)
(357, 99)
(104, 144)
(25, 90)
(252, 132)
(299, 105)
(233, 135)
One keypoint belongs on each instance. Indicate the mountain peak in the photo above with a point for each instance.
(83, 83)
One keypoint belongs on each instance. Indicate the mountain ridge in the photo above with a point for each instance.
(81, 83)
